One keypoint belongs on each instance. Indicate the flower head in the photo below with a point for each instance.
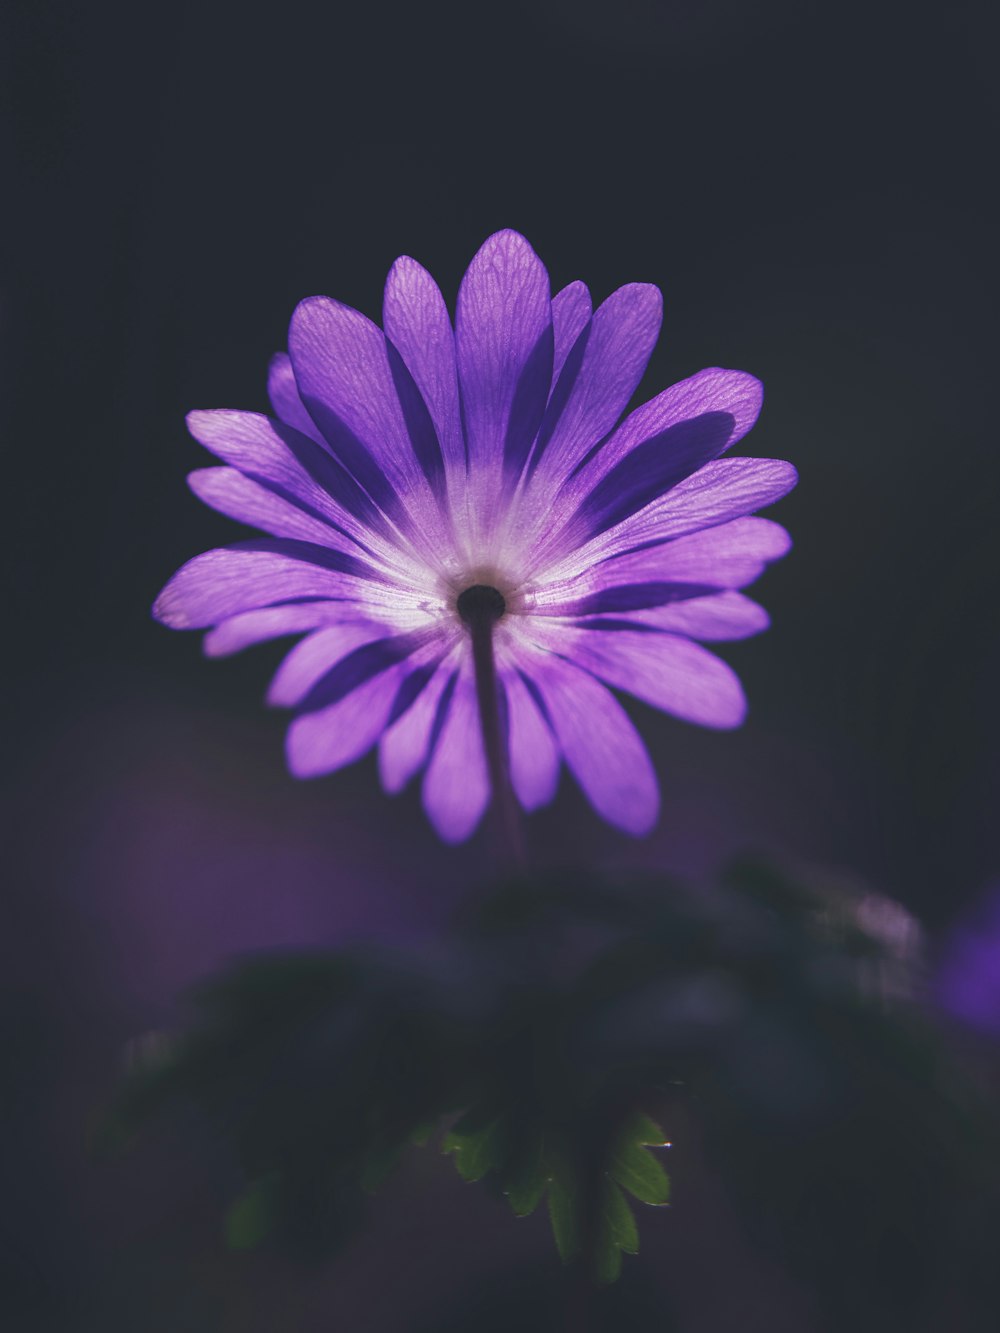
(454, 511)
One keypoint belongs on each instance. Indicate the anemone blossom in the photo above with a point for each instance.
(475, 547)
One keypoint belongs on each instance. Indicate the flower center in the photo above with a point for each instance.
(481, 604)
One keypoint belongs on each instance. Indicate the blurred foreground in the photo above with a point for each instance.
(834, 1160)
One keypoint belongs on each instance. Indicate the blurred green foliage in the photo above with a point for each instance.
(783, 1019)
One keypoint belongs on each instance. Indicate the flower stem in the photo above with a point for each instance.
(481, 607)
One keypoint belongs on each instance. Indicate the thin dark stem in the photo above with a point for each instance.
(480, 613)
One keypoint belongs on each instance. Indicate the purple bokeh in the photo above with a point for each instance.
(967, 979)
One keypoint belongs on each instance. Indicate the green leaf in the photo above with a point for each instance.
(525, 1198)
(524, 1193)
(635, 1168)
(619, 1223)
(251, 1217)
(641, 1174)
(607, 1265)
(564, 1217)
(617, 1234)
(638, 1128)
(526, 1176)
(476, 1151)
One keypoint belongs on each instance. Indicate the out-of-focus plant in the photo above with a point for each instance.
(546, 1042)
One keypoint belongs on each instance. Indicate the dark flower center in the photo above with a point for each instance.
(481, 604)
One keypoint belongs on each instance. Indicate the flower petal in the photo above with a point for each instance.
(571, 310)
(222, 583)
(317, 655)
(292, 465)
(237, 496)
(263, 572)
(284, 395)
(270, 622)
(720, 491)
(602, 748)
(665, 670)
(733, 393)
(416, 320)
(503, 337)
(653, 467)
(729, 556)
(656, 447)
(724, 615)
(534, 756)
(600, 376)
(456, 788)
(406, 742)
(358, 391)
(326, 740)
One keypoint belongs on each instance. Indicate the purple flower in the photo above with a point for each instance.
(475, 549)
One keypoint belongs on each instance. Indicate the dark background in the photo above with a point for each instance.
(809, 185)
